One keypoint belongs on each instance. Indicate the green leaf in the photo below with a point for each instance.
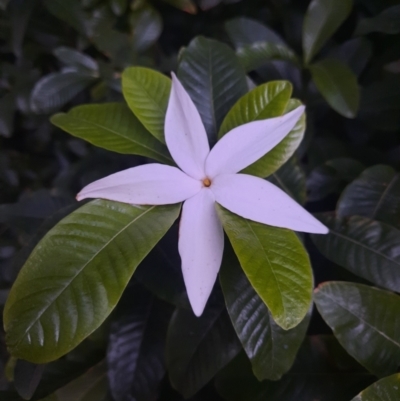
(197, 348)
(270, 349)
(214, 79)
(55, 90)
(387, 389)
(147, 92)
(356, 312)
(27, 377)
(374, 194)
(338, 85)
(75, 58)
(266, 101)
(276, 264)
(322, 19)
(246, 31)
(368, 248)
(386, 22)
(188, 6)
(291, 178)
(76, 275)
(112, 126)
(254, 56)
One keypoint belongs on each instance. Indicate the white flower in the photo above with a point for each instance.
(206, 177)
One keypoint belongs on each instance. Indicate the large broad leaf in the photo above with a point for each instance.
(76, 275)
(266, 101)
(276, 264)
(387, 22)
(55, 90)
(357, 313)
(112, 126)
(322, 19)
(246, 31)
(136, 346)
(368, 248)
(214, 79)
(374, 194)
(322, 371)
(338, 85)
(257, 54)
(291, 178)
(387, 389)
(146, 92)
(270, 349)
(197, 348)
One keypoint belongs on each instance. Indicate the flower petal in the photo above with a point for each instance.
(201, 244)
(185, 134)
(256, 199)
(247, 143)
(150, 184)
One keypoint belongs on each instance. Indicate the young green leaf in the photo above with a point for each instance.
(214, 78)
(147, 92)
(322, 19)
(356, 312)
(368, 248)
(76, 275)
(387, 389)
(338, 85)
(112, 126)
(270, 349)
(276, 264)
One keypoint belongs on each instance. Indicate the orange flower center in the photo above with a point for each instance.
(207, 182)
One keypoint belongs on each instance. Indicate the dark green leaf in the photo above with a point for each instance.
(387, 22)
(374, 194)
(276, 264)
(27, 377)
(135, 355)
(214, 79)
(270, 349)
(55, 90)
(338, 85)
(74, 58)
(147, 92)
(387, 389)
(112, 126)
(197, 348)
(322, 19)
(366, 247)
(356, 312)
(53, 307)
(259, 53)
(246, 31)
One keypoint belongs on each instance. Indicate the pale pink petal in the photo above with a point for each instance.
(256, 199)
(150, 184)
(185, 134)
(247, 143)
(201, 244)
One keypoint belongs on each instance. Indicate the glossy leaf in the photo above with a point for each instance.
(386, 22)
(55, 90)
(338, 85)
(72, 57)
(198, 347)
(53, 307)
(135, 355)
(387, 389)
(214, 79)
(265, 101)
(322, 19)
(374, 194)
(275, 263)
(147, 92)
(246, 31)
(291, 178)
(112, 126)
(356, 312)
(366, 247)
(259, 53)
(270, 349)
